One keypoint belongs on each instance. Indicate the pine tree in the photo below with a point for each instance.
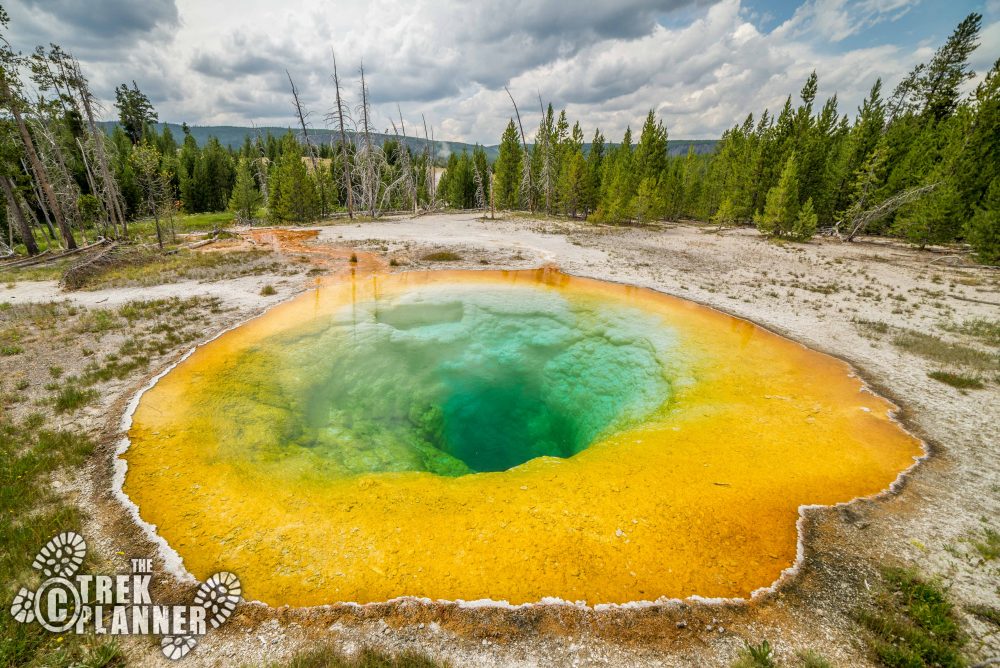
(651, 151)
(574, 184)
(934, 218)
(508, 169)
(805, 223)
(726, 213)
(949, 69)
(617, 182)
(782, 207)
(983, 230)
(647, 203)
(293, 192)
(595, 161)
(245, 199)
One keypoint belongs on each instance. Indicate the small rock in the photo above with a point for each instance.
(682, 624)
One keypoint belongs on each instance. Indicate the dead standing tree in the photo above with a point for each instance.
(338, 117)
(429, 181)
(311, 153)
(403, 155)
(526, 162)
(11, 101)
(110, 195)
(20, 222)
(368, 159)
(54, 161)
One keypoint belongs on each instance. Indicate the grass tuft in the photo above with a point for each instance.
(912, 623)
(328, 656)
(987, 331)
(810, 659)
(756, 656)
(71, 397)
(958, 380)
(442, 256)
(933, 348)
(988, 546)
(268, 291)
(986, 613)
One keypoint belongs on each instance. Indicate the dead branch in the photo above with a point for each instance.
(859, 221)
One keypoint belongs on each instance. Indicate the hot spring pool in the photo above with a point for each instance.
(503, 435)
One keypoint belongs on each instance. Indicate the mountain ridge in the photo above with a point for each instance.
(233, 136)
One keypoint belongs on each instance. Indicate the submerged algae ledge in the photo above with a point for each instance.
(450, 380)
(695, 496)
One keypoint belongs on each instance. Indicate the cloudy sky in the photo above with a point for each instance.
(701, 64)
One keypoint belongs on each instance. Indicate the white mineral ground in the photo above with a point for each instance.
(926, 525)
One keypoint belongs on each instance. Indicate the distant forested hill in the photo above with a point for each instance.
(233, 136)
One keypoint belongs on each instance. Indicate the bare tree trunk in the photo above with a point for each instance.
(409, 169)
(63, 184)
(343, 142)
(524, 145)
(36, 166)
(92, 180)
(366, 128)
(112, 198)
(23, 229)
(309, 147)
(434, 185)
(428, 166)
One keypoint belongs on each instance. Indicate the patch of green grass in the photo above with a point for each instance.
(442, 256)
(31, 515)
(988, 546)
(71, 397)
(183, 264)
(958, 380)
(9, 350)
(986, 613)
(149, 309)
(268, 291)
(98, 321)
(45, 315)
(912, 623)
(810, 659)
(42, 272)
(756, 656)
(113, 368)
(328, 656)
(871, 328)
(145, 230)
(985, 330)
(937, 350)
